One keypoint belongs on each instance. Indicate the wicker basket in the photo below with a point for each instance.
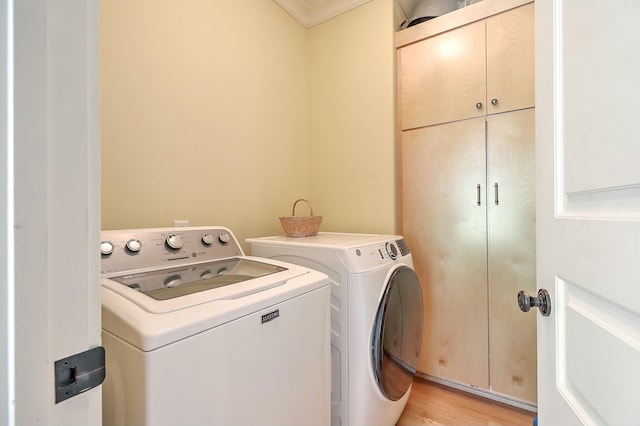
(300, 226)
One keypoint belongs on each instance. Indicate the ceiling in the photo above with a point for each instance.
(312, 12)
(408, 6)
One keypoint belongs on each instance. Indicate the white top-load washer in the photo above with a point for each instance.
(197, 333)
(376, 319)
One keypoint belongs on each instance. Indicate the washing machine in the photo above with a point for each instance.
(376, 319)
(198, 333)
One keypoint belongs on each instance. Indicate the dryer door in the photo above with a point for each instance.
(397, 334)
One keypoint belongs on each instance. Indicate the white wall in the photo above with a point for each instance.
(225, 112)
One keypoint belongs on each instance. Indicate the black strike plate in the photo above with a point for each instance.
(79, 373)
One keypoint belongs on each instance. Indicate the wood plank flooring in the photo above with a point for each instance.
(431, 404)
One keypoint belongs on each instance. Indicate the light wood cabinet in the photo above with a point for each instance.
(511, 244)
(467, 194)
(443, 176)
(443, 77)
(484, 67)
(510, 60)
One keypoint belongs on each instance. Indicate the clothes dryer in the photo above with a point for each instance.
(376, 319)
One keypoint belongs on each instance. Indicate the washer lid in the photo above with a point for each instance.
(166, 290)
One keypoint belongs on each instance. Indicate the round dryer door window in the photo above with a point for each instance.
(397, 334)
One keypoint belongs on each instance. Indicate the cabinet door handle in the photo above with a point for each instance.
(479, 105)
(478, 190)
(495, 189)
(494, 101)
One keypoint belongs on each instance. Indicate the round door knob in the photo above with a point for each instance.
(175, 241)
(542, 302)
(106, 248)
(479, 105)
(494, 102)
(134, 245)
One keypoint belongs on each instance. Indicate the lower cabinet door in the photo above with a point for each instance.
(468, 214)
(511, 252)
(444, 222)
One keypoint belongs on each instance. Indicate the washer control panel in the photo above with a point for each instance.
(131, 249)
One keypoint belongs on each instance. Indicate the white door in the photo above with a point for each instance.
(6, 290)
(50, 306)
(588, 210)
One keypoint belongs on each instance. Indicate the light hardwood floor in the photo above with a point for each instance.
(431, 404)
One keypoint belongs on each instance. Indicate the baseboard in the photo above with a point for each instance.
(484, 393)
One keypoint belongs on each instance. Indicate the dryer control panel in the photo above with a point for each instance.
(126, 250)
(370, 256)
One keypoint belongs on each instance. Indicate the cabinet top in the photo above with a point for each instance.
(457, 18)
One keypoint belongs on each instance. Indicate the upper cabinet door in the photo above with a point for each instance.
(510, 60)
(442, 78)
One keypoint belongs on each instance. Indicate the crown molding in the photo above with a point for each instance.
(313, 12)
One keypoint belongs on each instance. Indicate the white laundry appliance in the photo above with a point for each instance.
(376, 319)
(197, 333)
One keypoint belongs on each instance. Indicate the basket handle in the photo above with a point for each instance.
(293, 211)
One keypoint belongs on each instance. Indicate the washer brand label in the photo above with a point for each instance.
(270, 316)
(177, 258)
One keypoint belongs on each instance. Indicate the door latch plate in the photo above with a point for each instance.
(78, 373)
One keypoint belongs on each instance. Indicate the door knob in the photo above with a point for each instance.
(542, 302)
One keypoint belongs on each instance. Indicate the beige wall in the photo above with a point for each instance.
(225, 112)
(352, 119)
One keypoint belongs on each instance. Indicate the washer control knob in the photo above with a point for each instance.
(106, 248)
(224, 238)
(175, 241)
(392, 251)
(207, 239)
(173, 281)
(134, 245)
